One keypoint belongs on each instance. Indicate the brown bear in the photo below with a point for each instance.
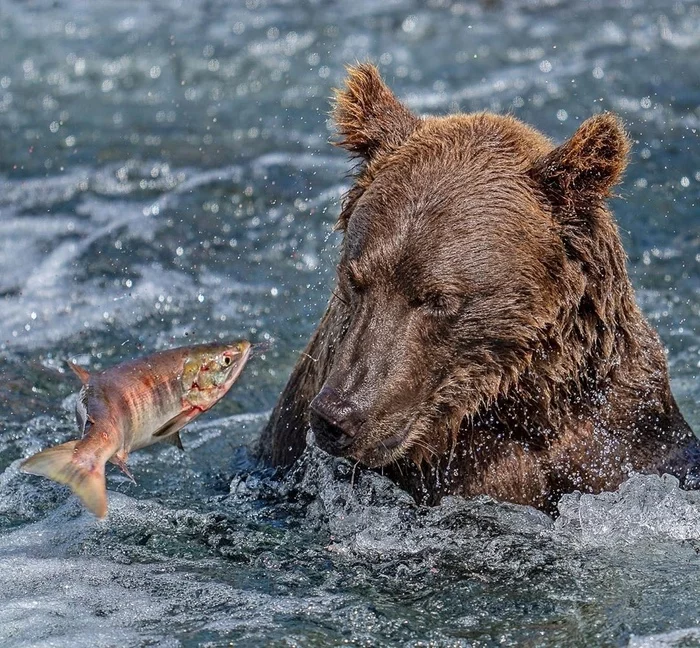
(484, 336)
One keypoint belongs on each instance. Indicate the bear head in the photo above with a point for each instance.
(478, 262)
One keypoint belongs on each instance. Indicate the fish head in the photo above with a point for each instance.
(210, 370)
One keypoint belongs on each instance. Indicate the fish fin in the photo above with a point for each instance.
(81, 413)
(174, 439)
(120, 462)
(175, 424)
(59, 464)
(83, 374)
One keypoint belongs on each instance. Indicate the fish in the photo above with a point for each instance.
(133, 405)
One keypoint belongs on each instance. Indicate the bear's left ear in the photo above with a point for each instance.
(586, 167)
(369, 118)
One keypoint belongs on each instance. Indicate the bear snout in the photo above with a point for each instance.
(334, 420)
(342, 430)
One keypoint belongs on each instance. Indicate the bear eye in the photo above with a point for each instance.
(438, 305)
(350, 278)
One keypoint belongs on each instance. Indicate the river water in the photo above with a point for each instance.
(165, 177)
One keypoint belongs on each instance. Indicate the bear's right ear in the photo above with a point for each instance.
(369, 118)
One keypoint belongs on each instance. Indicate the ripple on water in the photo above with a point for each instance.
(329, 545)
(165, 177)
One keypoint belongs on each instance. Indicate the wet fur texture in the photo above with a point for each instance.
(484, 337)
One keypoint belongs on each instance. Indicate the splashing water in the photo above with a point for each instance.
(165, 177)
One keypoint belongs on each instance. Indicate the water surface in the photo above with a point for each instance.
(165, 177)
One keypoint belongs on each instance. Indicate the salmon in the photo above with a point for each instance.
(133, 405)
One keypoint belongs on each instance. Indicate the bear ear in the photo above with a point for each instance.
(369, 118)
(586, 167)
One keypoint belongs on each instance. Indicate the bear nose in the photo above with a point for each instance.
(334, 420)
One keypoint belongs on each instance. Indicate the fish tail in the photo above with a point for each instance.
(85, 478)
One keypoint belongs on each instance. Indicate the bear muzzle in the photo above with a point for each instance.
(335, 421)
(342, 430)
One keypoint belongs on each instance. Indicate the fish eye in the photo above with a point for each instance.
(227, 361)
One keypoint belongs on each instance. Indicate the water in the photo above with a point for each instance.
(165, 177)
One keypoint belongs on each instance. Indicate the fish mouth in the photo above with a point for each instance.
(259, 348)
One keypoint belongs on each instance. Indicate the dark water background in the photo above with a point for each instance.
(165, 177)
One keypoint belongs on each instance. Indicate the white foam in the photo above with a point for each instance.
(644, 508)
(675, 639)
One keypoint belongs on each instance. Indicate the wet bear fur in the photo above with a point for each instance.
(484, 336)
